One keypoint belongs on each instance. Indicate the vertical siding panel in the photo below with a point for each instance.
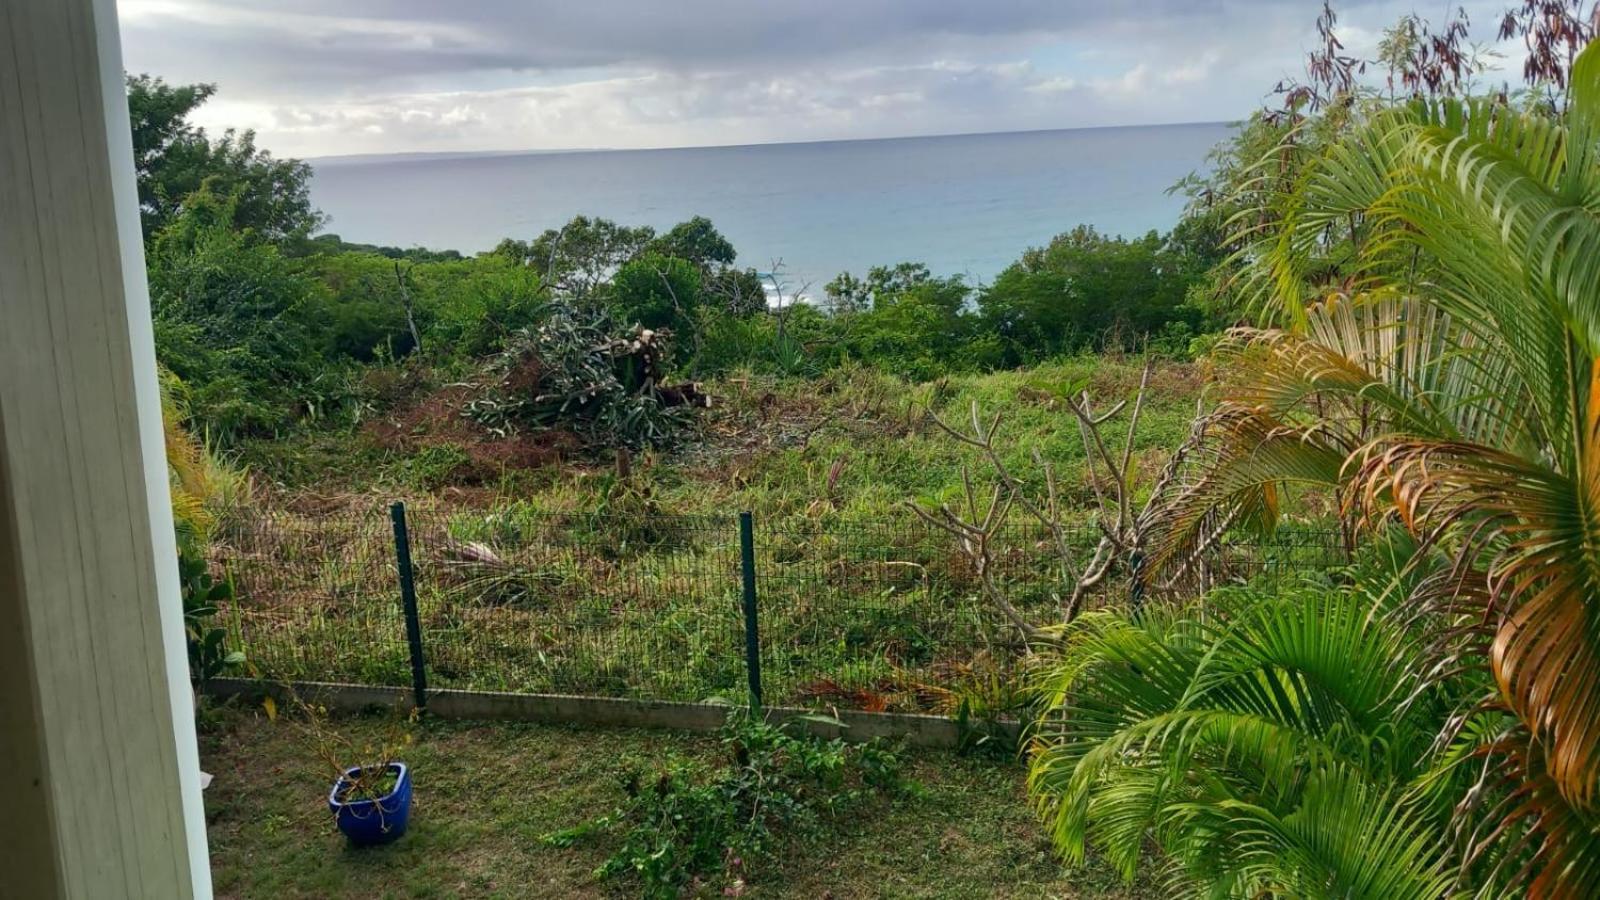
(81, 451)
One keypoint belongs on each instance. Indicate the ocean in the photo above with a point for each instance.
(962, 204)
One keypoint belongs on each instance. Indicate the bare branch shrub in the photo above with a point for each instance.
(979, 527)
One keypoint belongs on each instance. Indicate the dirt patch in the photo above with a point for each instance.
(438, 420)
(432, 420)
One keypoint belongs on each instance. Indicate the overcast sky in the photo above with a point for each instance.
(360, 76)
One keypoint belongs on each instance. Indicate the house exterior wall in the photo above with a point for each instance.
(97, 742)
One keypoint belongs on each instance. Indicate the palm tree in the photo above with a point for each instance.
(1272, 744)
(1434, 292)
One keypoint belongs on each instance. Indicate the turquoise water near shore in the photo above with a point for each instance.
(963, 204)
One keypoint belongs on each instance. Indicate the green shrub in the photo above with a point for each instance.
(209, 655)
(1282, 745)
(657, 292)
(682, 823)
(1085, 290)
(229, 322)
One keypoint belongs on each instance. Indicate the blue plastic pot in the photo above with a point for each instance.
(367, 822)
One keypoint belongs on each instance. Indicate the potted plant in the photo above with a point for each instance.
(372, 803)
(371, 794)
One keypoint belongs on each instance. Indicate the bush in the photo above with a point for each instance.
(918, 326)
(470, 309)
(229, 322)
(805, 345)
(1085, 290)
(682, 823)
(661, 292)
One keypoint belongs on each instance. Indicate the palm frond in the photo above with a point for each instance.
(1438, 268)
(1227, 732)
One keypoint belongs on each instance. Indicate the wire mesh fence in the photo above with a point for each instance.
(317, 595)
(885, 615)
(592, 604)
(877, 615)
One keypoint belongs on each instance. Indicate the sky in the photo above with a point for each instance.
(333, 77)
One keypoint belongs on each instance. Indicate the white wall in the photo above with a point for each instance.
(96, 734)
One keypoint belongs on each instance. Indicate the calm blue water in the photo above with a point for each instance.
(963, 204)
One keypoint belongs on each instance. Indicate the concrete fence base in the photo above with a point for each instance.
(561, 709)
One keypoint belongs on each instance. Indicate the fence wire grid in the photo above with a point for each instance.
(877, 615)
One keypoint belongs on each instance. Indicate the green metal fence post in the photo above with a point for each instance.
(408, 599)
(752, 630)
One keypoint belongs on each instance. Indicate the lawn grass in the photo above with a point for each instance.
(487, 793)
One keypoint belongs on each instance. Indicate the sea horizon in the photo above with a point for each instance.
(428, 155)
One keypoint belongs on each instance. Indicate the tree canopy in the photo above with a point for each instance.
(173, 158)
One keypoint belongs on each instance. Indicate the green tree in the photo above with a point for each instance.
(736, 292)
(471, 308)
(362, 315)
(919, 325)
(332, 243)
(173, 159)
(229, 321)
(657, 292)
(1087, 290)
(882, 284)
(846, 294)
(580, 256)
(727, 289)
(697, 241)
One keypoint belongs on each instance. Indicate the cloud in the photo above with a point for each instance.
(424, 35)
(362, 76)
(1057, 85)
(1193, 72)
(1132, 83)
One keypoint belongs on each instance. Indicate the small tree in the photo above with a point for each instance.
(979, 527)
(579, 257)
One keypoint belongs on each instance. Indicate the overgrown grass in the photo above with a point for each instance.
(486, 794)
(851, 444)
(578, 579)
(874, 617)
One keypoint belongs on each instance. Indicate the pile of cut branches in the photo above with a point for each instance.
(580, 374)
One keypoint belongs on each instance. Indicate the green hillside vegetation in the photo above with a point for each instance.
(541, 405)
(1409, 381)
(828, 465)
(271, 331)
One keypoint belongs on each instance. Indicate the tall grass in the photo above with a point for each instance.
(597, 578)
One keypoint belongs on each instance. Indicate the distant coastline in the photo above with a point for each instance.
(345, 159)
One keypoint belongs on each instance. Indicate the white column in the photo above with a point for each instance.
(97, 747)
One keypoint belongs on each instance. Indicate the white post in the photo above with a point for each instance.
(97, 742)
